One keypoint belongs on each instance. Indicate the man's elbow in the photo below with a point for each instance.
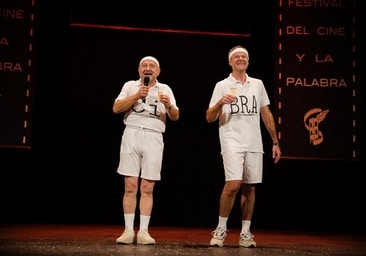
(116, 109)
(210, 119)
(175, 117)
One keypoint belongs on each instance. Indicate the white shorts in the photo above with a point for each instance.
(245, 166)
(141, 153)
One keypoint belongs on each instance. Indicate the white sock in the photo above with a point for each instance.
(222, 222)
(144, 222)
(245, 226)
(129, 219)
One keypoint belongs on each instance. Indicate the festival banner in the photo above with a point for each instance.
(17, 71)
(317, 95)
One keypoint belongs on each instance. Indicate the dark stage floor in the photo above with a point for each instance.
(95, 240)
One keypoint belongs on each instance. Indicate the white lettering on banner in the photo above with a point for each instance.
(12, 13)
(331, 31)
(4, 41)
(321, 31)
(300, 57)
(315, 82)
(8, 66)
(326, 58)
(316, 3)
(296, 30)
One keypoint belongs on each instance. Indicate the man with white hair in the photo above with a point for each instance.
(239, 102)
(146, 103)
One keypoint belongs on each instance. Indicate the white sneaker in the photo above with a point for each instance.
(143, 237)
(247, 240)
(127, 237)
(218, 237)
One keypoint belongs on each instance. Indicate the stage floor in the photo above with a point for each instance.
(100, 240)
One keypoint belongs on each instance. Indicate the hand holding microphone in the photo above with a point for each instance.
(146, 82)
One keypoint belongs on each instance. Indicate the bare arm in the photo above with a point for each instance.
(123, 105)
(269, 122)
(213, 112)
(173, 113)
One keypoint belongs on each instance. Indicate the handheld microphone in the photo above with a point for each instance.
(146, 82)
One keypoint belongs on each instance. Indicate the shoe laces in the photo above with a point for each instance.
(219, 233)
(246, 236)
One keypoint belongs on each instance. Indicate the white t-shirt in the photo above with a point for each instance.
(239, 123)
(152, 113)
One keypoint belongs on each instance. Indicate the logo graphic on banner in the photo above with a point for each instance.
(312, 119)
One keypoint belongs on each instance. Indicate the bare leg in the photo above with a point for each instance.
(247, 207)
(247, 201)
(146, 200)
(227, 198)
(129, 201)
(146, 205)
